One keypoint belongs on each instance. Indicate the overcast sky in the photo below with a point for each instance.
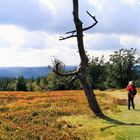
(30, 30)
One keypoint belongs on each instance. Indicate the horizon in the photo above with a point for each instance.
(29, 66)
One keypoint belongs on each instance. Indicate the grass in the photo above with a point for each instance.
(65, 115)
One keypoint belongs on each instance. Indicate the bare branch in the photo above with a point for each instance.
(63, 38)
(72, 32)
(87, 28)
(93, 17)
(64, 74)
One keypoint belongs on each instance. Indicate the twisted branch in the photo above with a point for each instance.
(56, 70)
(84, 29)
(63, 38)
(87, 28)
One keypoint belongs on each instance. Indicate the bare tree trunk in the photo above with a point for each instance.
(93, 104)
(84, 62)
(81, 71)
(79, 28)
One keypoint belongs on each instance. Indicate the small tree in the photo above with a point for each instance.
(96, 72)
(57, 82)
(21, 84)
(120, 68)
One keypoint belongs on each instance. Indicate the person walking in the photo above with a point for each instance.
(131, 88)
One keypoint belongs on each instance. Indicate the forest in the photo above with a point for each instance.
(123, 66)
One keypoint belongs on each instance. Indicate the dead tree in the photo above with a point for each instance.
(81, 71)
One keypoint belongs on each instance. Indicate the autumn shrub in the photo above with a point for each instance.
(3, 109)
(34, 115)
(120, 101)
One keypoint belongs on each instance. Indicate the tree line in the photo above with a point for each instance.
(123, 66)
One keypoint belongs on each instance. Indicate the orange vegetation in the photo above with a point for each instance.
(34, 115)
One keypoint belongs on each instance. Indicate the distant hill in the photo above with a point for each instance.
(27, 72)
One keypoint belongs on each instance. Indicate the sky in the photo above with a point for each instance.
(30, 30)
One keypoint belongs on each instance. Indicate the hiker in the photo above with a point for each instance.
(131, 88)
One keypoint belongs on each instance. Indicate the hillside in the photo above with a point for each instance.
(65, 115)
(27, 72)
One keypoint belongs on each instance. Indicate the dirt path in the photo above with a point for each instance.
(137, 100)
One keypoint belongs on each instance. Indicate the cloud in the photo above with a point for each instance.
(17, 38)
(28, 14)
(37, 14)
(29, 31)
(21, 47)
(111, 42)
(62, 17)
(130, 41)
(102, 42)
(11, 36)
(120, 17)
